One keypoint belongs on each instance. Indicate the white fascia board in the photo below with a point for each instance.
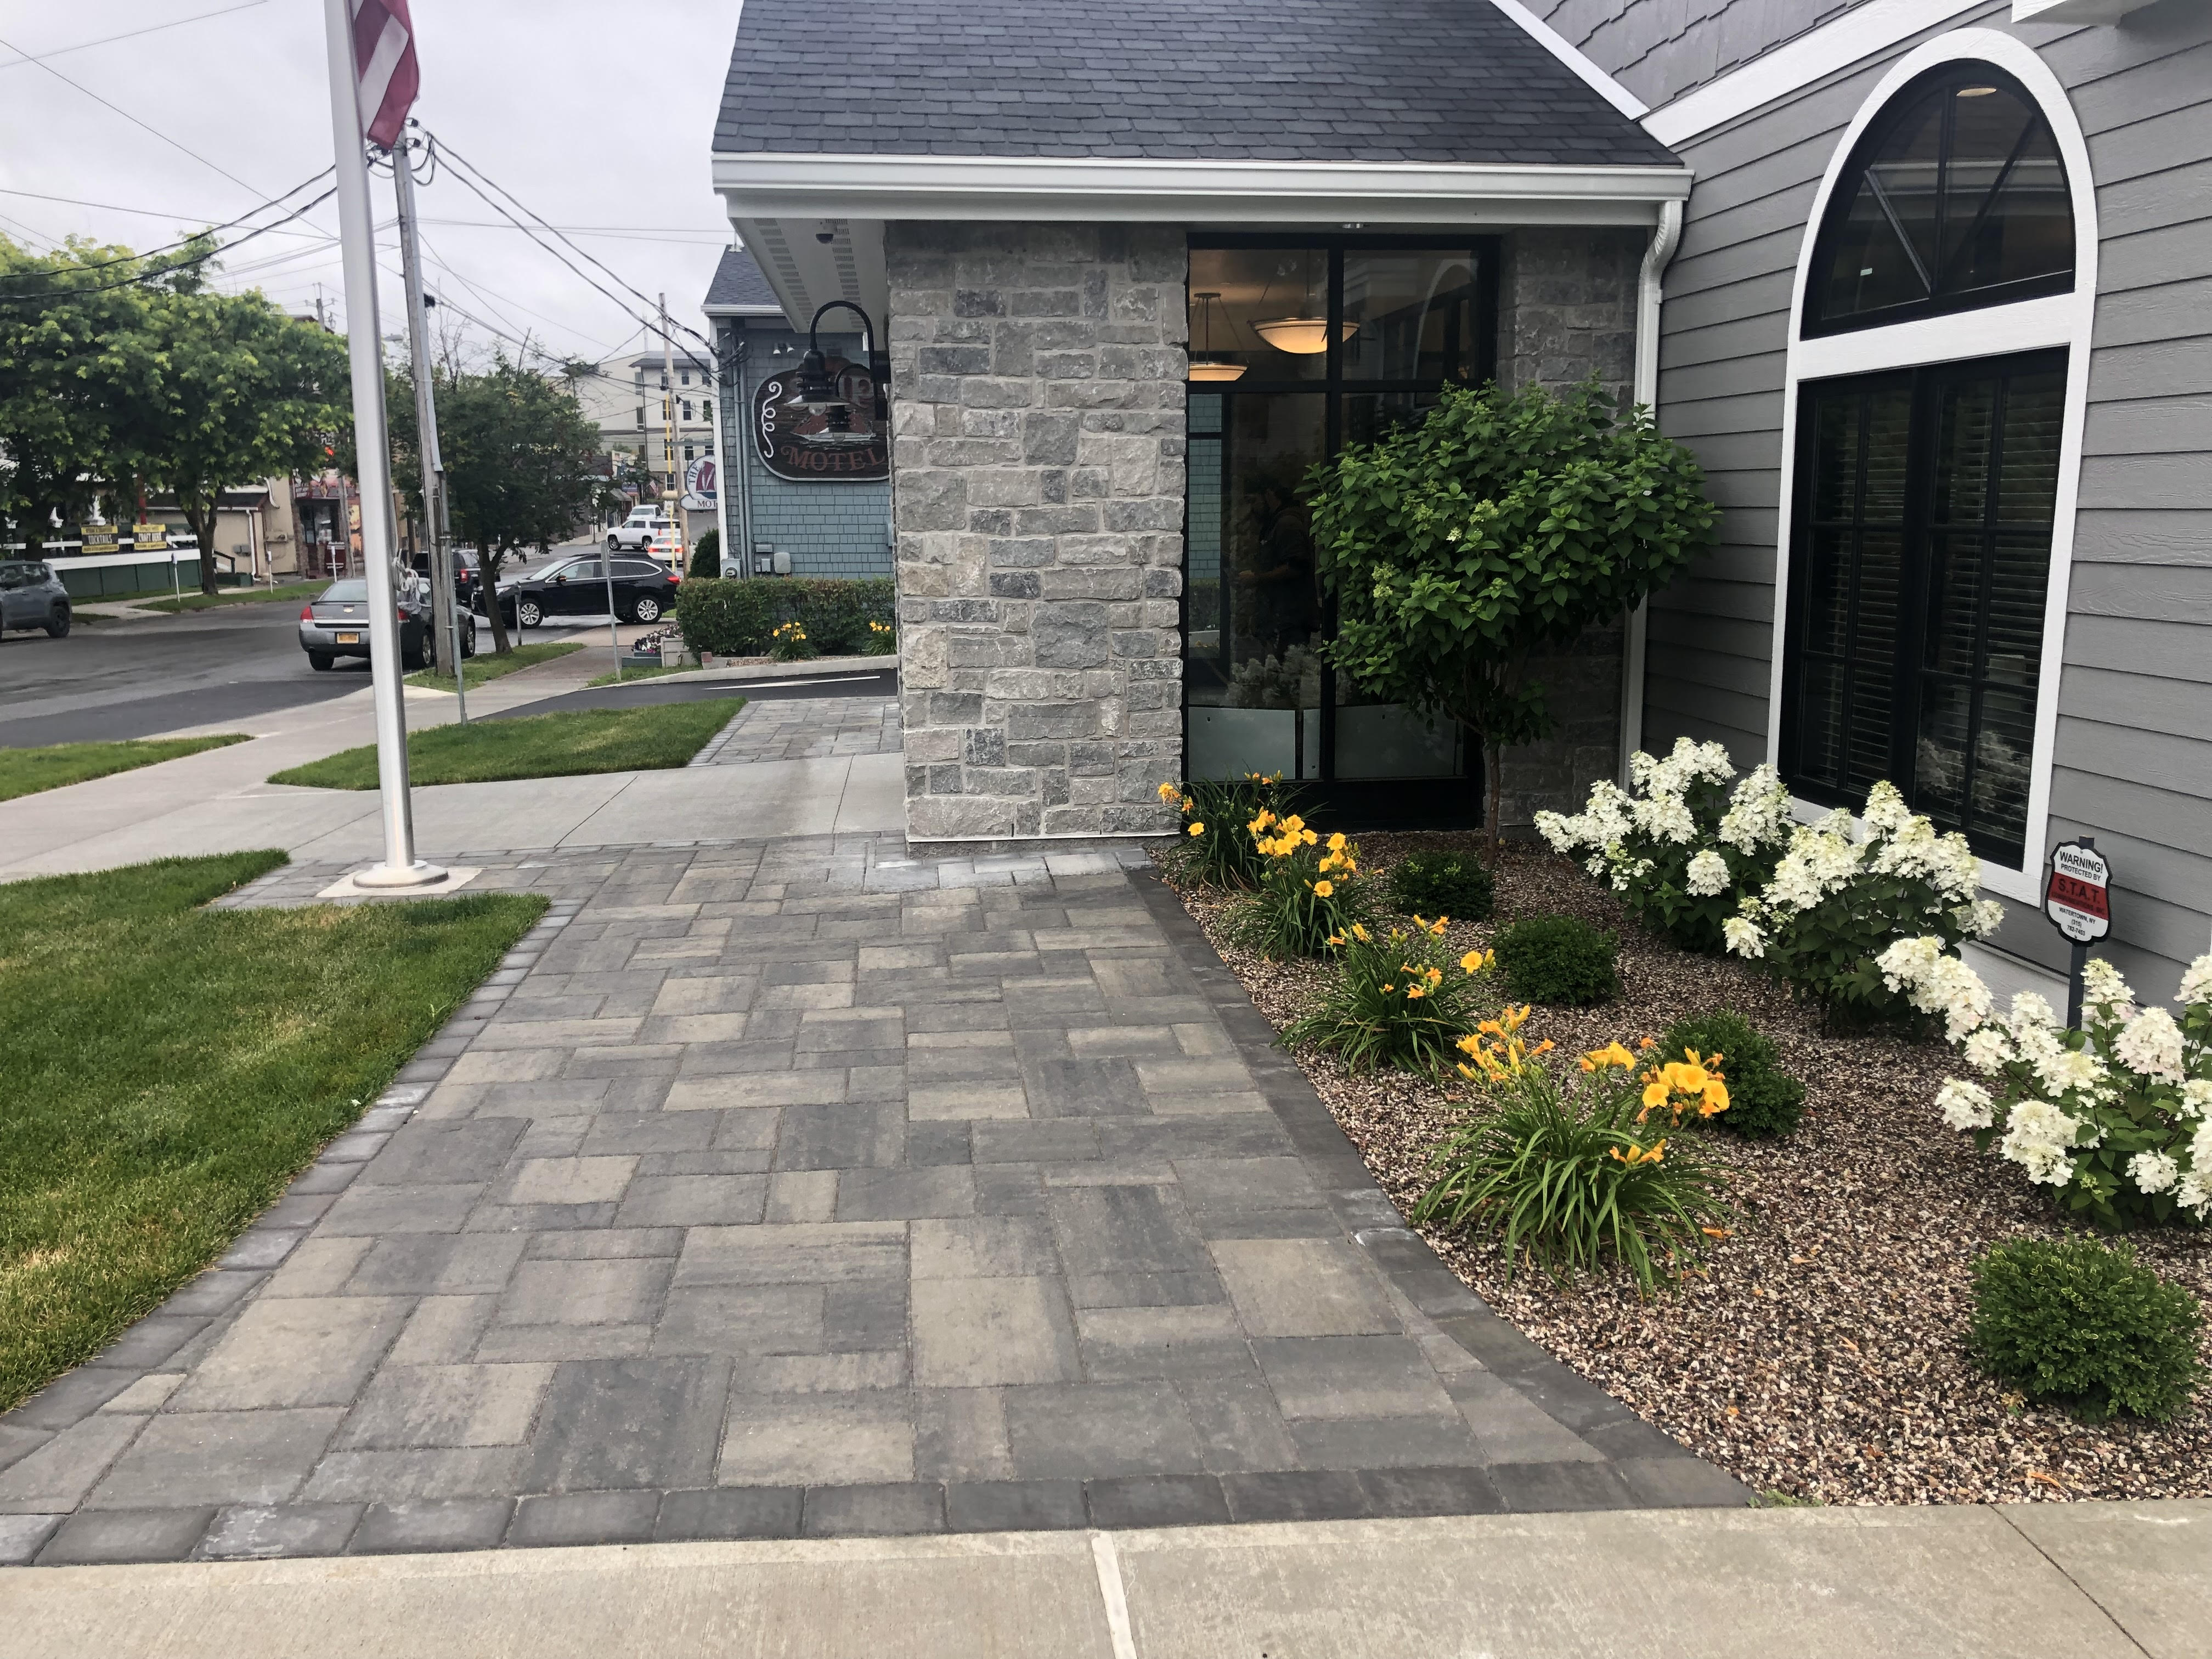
(1570, 55)
(762, 309)
(2075, 11)
(1864, 32)
(782, 185)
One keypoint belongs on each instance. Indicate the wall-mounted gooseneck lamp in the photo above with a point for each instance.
(818, 390)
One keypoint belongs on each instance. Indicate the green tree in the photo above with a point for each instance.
(1503, 525)
(519, 454)
(75, 364)
(239, 392)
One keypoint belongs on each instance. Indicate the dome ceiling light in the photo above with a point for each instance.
(1207, 365)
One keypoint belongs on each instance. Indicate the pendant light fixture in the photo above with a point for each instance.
(1207, 365)
(1305, 334)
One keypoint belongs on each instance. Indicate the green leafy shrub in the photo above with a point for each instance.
(1398, 1002)
(1501, 526)
(1558, 959)
(1764, 1101)
(1436, 884)
(1569, 1179)
(1308, 896)
(736, 618)
(706, 557)
(2081, 1325)
(1219, 846)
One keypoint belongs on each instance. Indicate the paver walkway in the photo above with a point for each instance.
(812, 729)
(808, 1186)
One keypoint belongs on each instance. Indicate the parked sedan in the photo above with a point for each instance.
(644, 589)
(32, 596)
(336, 624)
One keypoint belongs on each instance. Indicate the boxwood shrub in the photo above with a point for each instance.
(1764, 1101)
(1558, 959)
(2087, 1327)
(734, 618)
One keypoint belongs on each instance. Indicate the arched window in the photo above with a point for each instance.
(1925, 498)
(1955, 198)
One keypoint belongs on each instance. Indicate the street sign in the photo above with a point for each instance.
(2076, 897)
(699, 482)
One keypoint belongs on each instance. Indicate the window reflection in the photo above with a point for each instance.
(1409, 316)
(1264, 300)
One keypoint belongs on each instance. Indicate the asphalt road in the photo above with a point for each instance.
(113, 680)
(877, 682)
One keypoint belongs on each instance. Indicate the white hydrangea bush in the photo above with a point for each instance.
(2115, 1118)
(1680, 847)
(1847, 890)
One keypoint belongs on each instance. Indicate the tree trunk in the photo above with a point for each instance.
(491, 560)
(200, 515)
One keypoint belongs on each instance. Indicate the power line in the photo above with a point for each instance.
(110, 40)
(469, 166)
(143, 212)
(233, 224)
(181, 265)
(127, 116)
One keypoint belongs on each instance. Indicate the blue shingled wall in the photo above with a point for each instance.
(828, 529)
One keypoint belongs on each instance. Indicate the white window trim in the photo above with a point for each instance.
(2065, 319)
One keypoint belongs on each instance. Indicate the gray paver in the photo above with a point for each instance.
(811, 1188)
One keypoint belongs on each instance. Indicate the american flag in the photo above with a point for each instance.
(384, 58)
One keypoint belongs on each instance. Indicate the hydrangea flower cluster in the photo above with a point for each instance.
(1680, 848)
(2116, 1118)
(1849, 891)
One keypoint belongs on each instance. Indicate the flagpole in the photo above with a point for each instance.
(373, 465)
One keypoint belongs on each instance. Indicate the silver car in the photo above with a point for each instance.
(32, 596)
(335, 625)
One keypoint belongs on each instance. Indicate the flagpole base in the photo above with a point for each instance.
(388, 877)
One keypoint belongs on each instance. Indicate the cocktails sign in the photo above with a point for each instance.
(817, 445)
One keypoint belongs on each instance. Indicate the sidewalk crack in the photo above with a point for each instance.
(2126, 1634)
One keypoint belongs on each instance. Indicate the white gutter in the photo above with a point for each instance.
(776, 185)
(1650, 294)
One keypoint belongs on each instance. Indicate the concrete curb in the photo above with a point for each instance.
(782, 671)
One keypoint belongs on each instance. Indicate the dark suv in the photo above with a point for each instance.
(644, 590)
(468, 573)
(32, 596)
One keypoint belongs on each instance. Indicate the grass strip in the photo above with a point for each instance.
(642, 671)
(27, 771)
(170, 1068)
(228, 596)
(570, 744)
(486, 666)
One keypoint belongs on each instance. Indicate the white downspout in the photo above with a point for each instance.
(1650, 291)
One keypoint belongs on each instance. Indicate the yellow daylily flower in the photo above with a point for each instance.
(1360, 933)
(1336, 842)
(1197, 829)
(1324, 889)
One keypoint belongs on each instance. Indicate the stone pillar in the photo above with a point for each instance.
(1566, 309)
(1038, 504)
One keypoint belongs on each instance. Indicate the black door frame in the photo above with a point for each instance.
(1357, 803)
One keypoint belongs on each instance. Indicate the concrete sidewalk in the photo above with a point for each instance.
(2046, 1581)
(220, 801)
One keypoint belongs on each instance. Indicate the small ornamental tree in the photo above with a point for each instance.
(1503, 525)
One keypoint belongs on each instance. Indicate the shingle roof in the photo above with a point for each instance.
(737, 282)
(1436, 80)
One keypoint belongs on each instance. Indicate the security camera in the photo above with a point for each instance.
(827, 233)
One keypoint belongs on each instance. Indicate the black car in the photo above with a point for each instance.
(336, 624)
(644, 590)
(468, 573)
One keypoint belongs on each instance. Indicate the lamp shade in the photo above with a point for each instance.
(1304, 336)
(1213, 368)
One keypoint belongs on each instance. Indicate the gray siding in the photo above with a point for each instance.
(2133, 765)
(1661, 49)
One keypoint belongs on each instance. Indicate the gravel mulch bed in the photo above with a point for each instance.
(1822, 1357)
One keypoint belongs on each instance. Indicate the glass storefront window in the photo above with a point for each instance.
(1392, 325)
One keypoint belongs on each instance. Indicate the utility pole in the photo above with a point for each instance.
(445, 614)
(668, 387)
(365, 353)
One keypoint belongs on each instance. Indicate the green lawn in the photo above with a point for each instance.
(484, 665)
(198, 601)
(169, 1069)
(26, 771)
(565, 745)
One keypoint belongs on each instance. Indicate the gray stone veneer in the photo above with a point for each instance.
(1037, 505)
(1567, 307)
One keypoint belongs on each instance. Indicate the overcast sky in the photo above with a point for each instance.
(596, 113)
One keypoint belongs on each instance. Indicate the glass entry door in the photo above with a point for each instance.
(1298, 349)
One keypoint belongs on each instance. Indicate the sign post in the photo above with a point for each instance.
(2077, 899)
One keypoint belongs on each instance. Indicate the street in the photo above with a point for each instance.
(113, 680)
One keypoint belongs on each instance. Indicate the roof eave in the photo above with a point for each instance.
(787, 184)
